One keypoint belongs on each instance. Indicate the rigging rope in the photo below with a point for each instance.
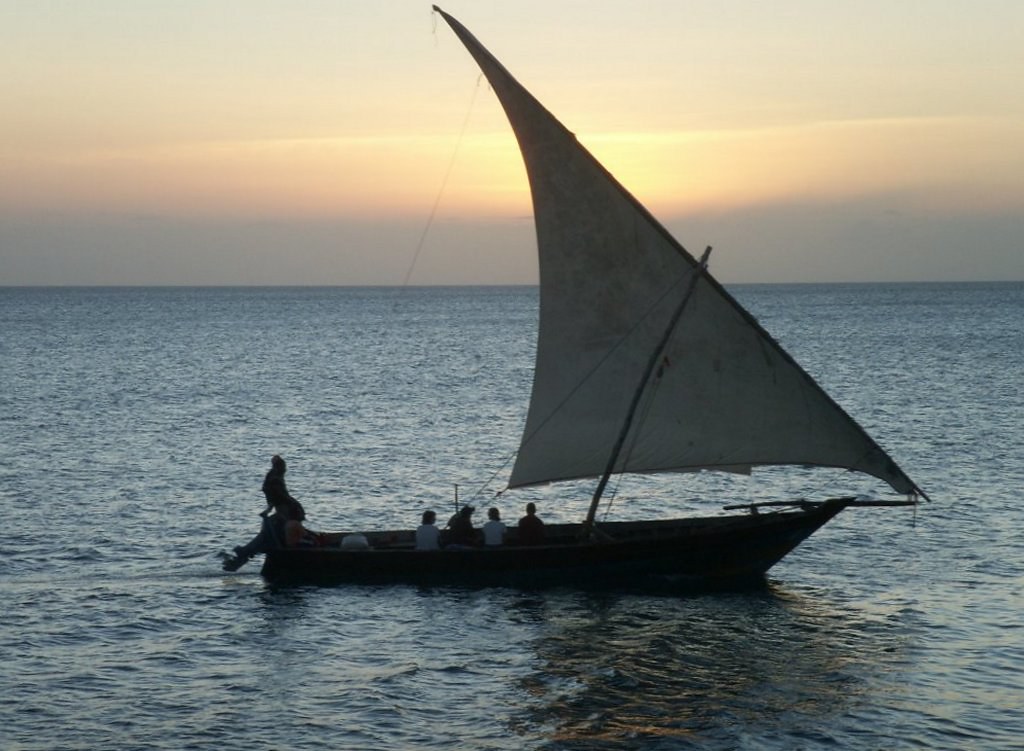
(444, 184)
(500, 470)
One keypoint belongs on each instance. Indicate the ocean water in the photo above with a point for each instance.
(137, 424)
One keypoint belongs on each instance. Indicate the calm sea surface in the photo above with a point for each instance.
(136, 425)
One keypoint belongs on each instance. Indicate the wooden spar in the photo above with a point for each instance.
(652, 363)
(847, 502)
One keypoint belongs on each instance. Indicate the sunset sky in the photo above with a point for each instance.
(302, 142)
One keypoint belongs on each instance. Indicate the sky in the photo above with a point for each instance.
(238, 142)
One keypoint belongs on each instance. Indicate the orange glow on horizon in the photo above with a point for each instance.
(344, 177)
(395, 176)
(828, 161)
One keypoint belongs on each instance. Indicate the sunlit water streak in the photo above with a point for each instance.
(138, 424)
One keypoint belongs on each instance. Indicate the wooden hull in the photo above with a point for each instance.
(713, 552)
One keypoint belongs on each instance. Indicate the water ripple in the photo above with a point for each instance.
(142, 422)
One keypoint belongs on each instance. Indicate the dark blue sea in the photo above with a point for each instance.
(137, 425)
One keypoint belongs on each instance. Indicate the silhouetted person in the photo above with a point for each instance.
(460, 528)
(428, 536)
(494, 529)
(531, 528)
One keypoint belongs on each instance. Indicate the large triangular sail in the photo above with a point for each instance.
(725, 396)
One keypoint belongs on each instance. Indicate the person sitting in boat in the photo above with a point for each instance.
(273, 484)
(494, 529)
(428, 536)
(461, 533)
(277, 495)
(297, 536)
(282, 528)
(531, 527)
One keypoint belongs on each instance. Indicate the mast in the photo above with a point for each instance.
(645, 380)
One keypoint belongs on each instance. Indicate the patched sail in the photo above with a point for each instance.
(725, 395)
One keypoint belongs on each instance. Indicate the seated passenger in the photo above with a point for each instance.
(494, 530)
(274, 487)
(297, 536)
(531, 528)
(428, 537)
(461, 532)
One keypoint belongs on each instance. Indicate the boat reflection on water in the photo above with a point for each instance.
(782, 667)
(712, 671)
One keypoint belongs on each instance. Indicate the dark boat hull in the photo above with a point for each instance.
(713, 552)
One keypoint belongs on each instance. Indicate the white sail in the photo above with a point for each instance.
(725, 396)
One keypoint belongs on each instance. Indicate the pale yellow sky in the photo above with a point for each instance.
(264, 141)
